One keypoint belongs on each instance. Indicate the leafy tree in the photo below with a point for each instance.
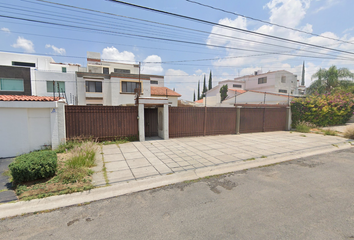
(223, 92)
(194, 96)
(210, 81)
(198, 90)
(328, 80)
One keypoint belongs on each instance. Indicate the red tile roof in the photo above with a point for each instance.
(238, 90)
(199, 101)
(26, 98)
(161, 91)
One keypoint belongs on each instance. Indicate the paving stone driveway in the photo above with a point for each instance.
(135, 160)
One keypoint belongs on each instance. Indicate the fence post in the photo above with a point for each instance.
(288, 119)
(141, 122)
(238, 118)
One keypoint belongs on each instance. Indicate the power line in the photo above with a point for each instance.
(274, 24)
(225, 26)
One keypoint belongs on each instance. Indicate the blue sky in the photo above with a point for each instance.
(330, 18)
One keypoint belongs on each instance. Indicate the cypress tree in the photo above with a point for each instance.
(204, 88)
(198, 90)
(303, 74)
(194, 96)
(210, 81)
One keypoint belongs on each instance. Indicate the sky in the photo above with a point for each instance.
(183, 50)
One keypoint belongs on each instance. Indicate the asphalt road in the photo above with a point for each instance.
(310, 198)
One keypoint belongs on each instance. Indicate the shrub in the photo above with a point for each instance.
(83, 156)
(304, 127)
(33, 166)
(349, 132)
(323, 110)
(329, 132)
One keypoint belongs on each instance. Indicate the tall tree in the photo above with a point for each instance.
(210, 81)
(223, 92)
(327, 80)
(303, 74)
(194, 96)
(198, 89)
(204, 88)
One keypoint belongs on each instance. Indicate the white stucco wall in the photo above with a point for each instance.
(257, 98)
(29, 126)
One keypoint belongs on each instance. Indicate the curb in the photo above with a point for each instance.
(54, 202)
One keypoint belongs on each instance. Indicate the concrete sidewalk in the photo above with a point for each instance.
(138, 160)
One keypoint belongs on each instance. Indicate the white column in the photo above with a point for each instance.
(141, 123)
(165, 122)
(61, 121)
(54, 129)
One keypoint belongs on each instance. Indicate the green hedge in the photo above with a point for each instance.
(323, 110)
(33, 166)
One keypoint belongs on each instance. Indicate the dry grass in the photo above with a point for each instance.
(349, 132)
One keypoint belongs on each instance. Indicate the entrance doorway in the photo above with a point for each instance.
(151, 122)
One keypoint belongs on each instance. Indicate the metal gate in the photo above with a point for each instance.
(151, 122)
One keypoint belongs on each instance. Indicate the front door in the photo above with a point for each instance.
(151, 122)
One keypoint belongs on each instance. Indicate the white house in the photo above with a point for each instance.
(44, 71)
(282, 82)
(257, 97)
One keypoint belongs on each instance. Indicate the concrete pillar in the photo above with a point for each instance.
(141, 122)
(238, 119)
(61, 122)
(288, 119)
(54, 129)
(165, 122)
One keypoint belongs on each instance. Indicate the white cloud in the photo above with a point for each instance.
(112, 54)
(5, 30)
(60, 51)
(328, 4)
(25, 44)
(152, 68)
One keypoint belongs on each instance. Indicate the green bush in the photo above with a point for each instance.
(33, 166)
(323, 110)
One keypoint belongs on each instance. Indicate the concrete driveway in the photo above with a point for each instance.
(136, 160)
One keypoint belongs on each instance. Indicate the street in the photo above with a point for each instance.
(308, 198)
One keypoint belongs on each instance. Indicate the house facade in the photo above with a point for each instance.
(278, 82)
(15, 81)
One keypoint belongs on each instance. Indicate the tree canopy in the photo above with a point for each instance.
(331, 79)
(223, 92)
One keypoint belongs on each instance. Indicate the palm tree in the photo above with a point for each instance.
(328, 80)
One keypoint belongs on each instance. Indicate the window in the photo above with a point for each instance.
(23, 64)
(105, 70)
(237, 86)
(11, 84)
(262, 80)
(117, 70)
(283, 79)
(50, 86)
(154, 82)
(63, 69)
(128, 87)
(92, 86)
(283, 91)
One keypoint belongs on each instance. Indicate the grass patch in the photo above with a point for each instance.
(304, 127)
(249, 159)
(73, 174)
(302, 135)
(329, 132)
(349, 132)
(3, 190)
(263, 156)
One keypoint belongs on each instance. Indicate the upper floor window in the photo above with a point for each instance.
(283, 79)
(237, 85)
(105, 70)
(63, 69)
(154, 82)
(50, 87)
(118, 70)
(23, 64)
(283, 91)
(92, 86)
(11, 84)
(262, 80)
(128, 87)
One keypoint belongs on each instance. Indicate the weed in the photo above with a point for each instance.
(304, 127)
(329, 132)
(302, 135)
(7, 173)
(249, 159)
(263, 156)
(3, 190)
(335, 145)
(83, 156)
(349, 132)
